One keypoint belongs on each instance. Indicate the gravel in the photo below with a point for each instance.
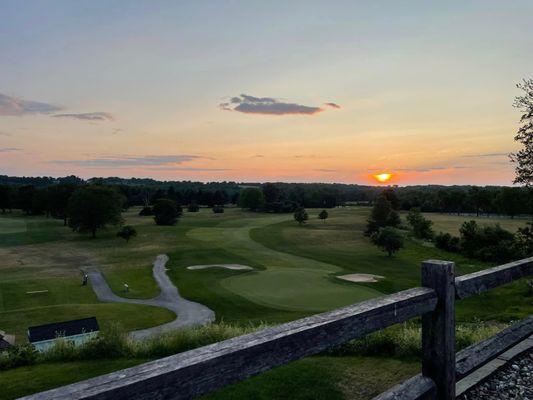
(514, 381)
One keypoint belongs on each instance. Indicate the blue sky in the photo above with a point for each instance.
(424, 89)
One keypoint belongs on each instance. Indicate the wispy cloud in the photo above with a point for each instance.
(187, 169)
(131, 161)
(8, 149)
(487, 155)
(4, 134)
(268, 106)
(332, 105)
(92, 116)
(325, 170)
(12, 106)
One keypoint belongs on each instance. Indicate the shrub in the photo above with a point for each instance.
(421, 226)
(193, 207)
(323, 215)
(218, 209)
(17, 356)
(127, 232)
(166, 212)
(300, 215)
(447, 242)
(146, 211)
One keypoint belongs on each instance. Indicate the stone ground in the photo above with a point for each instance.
(514, 381)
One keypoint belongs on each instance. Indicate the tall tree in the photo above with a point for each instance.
(300, 215)
(389, 239)
(6, 198)
(523, 159)
(58, 197)
(323, 215)
(251, 198)
(93, 207)
(382, 215)
(271, 192)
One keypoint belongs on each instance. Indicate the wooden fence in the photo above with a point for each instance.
(203, 370)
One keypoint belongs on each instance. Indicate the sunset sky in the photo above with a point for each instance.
(263, 90)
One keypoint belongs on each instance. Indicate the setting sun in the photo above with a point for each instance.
(384, 177)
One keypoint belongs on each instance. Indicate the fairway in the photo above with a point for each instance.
(287, 282)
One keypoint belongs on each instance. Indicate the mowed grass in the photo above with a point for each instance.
(451, 223)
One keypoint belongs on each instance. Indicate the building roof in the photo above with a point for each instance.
(63, 329)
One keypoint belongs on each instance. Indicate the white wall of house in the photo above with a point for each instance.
(75, 339)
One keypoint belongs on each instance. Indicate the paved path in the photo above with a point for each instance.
(188, 313)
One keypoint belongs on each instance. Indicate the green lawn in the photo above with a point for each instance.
(295, 269)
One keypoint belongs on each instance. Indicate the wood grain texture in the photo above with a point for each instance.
(438, 328)
(418, 387)
(481, 281)
(199, 371)
(479, 354)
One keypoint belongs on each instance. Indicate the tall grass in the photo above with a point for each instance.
(399, 341)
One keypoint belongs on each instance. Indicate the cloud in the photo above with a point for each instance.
(487, 155)
(267, 106)
(12, 106)
(8, 149)
(4, 134)
(332, 105)
(326, 170)
(92, 116)
(187, 169)
(131, 161)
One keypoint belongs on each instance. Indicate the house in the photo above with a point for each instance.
(6, 341)
(77, 332)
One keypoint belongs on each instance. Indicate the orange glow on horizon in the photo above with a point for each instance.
(383, 177)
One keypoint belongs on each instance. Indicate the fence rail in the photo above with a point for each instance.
(203, 370)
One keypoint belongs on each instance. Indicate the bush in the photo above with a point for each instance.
(421, 226)
(166, 212)
(17, 356)
(301, 215)
(218, 209)
(193, 207)
(127, 232)
(447, 242)
(146, 211)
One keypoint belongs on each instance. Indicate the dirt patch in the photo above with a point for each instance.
(236, 267)
(360, 277)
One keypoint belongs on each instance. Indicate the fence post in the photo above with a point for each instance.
(438, 328)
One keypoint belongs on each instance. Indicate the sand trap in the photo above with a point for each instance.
(360, 277)
(237, 267)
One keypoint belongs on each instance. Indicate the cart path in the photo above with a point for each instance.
(188, 313)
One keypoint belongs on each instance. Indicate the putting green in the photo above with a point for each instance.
(12, 225)
(288, 282)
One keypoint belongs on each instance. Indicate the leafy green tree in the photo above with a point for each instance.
(25, 198)
(389, 239)
(93, 207)
(524, 239)
(146, 211)
(382, 215)
(271, 193)
(166, 212)
(6, 198)
(251, 198)
(523, 159)
(510, 201)
(58, 197)
(323, 215)
(300, 215)
(127, 232)
(421, 226)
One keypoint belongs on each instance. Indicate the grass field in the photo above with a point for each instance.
(295, 269)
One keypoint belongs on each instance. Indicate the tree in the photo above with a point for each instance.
(524, 239)
(127, 232)
(25, 198)
(300, 215)
(58, 197)
(166, 212)
(510, 201)
(271, 193)
(523, 159)
(146, 211)
(382, 215)
(252, 198)
(421, 226)
(323, 215)
(389, 239)
(93, 207)
(6, 198)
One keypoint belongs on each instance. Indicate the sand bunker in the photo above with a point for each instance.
(360, 277)
(237, 267)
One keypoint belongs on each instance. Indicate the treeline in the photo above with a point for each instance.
(34, 195)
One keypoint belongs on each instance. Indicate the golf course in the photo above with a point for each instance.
(284, 271)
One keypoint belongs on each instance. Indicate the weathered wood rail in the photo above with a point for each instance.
(203, 370)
